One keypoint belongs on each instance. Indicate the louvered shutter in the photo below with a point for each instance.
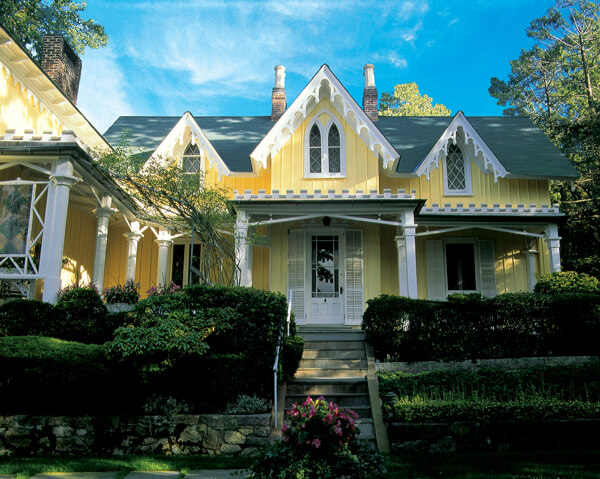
(487, 265)
(354, 277)
(296, 272)
(436, 285)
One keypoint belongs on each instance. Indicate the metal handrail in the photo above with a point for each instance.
(276, 365)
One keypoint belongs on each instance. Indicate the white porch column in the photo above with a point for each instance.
(243, 250)
(530, 255)
(553, 241)
(104, 212)
(407, 256)
(55, 221)
(164, 242)
(133, 237)
(402, 273)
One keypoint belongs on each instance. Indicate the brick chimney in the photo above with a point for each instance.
(62, 65)
(279, 103)
(370, 92)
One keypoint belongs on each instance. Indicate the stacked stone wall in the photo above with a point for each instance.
(211, 434)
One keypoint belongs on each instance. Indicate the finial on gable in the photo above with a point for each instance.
(278, 100)
(370, 92)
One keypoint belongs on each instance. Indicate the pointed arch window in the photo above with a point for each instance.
(324, 149)
(457, 172)
(191, 160)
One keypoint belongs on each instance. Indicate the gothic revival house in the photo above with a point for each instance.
(349, 204)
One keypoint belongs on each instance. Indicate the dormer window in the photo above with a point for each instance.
(457, 173)
(324, 149)
(191, 160)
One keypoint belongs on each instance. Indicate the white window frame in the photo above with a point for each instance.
(468, 191)
(324, 129)
(477, 262)
(200, 157)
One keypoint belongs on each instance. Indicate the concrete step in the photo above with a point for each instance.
(325, 386)
(331, 373)
(333, 364)
(335, 345)
(367, 429)
(332, 336)
(334, 354)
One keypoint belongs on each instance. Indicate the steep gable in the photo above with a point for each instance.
(323, 84)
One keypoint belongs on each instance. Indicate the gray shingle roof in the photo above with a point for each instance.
(519, 145)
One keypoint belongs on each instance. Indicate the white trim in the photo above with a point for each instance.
(303, 106)
(324, 130)
(330, 195)
(177, 136)
(479, 151)
(495, 210)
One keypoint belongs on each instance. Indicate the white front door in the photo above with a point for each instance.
(325, 281)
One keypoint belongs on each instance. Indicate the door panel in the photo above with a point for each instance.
(326, 279)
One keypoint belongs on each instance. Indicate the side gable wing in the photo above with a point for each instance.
(479, 150)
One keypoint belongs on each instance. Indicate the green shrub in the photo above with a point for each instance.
(567, 282)
(40, 375)
(473, 327)
(245, 404)
(26, 317)
(491, 394)
(319, 441)
(291, 354)
(128, 293)
(82, 316)
(157, 405)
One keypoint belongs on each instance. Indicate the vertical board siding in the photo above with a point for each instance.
(80, 238)
(261, 267)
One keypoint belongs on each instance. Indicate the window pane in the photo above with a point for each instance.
(455, 169)
(178, 264)
(325, 267)
(192, 150)
(315, 149)
(334, 149)
(460, 267)
(191, 165)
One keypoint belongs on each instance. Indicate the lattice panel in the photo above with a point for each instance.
(455, 169)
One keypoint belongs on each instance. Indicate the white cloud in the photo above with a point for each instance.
(101, 95)
(397, 60)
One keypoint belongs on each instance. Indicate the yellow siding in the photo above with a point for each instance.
(485, 189)
(19, 112)
(287, 167)
(78, 251)
(261, 267)
(116, 256)
(389, 260)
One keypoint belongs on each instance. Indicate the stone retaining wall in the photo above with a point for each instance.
(201, 434)
(474, 365)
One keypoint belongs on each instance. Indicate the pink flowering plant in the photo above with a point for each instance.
(319, 440)
(163, 289)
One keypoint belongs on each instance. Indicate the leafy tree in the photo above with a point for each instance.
(29, 20)
(557, 84)
(407, 101)
(183, 203)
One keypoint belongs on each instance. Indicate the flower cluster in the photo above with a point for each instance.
(320, 425)
(166, 289)
(128, 293)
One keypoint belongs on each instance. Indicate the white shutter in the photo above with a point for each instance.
(354, 277)
(436, 272)
(296, 272)
(487, 267)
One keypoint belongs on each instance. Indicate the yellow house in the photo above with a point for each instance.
(335, 204)
(350, 205)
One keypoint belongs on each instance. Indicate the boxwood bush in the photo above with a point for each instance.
(538, 393)
(474, 327)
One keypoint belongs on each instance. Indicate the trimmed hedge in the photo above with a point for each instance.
(43, 375)
(474, 327)
(540, 393)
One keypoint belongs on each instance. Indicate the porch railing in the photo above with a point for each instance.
(282, 334)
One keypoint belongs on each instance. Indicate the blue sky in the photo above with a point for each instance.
(217, 57)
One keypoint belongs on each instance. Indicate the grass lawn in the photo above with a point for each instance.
(25, 467)
(510, 465)
(578, 464)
